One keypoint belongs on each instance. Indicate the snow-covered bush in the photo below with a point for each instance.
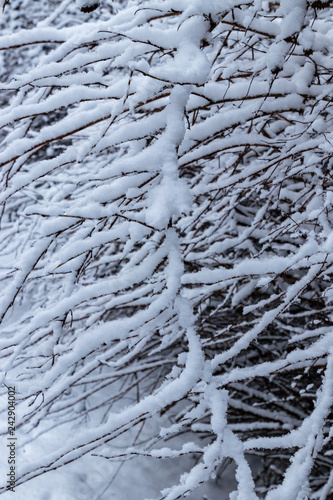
(166, 237)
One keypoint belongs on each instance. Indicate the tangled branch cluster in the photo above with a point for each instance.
(166, 231)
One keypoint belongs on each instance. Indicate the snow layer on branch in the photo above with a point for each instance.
(166, 236)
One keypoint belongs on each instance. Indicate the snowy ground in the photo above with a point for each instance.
(88, 479)
(96, 478)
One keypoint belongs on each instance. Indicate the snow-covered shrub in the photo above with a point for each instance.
(166, 236)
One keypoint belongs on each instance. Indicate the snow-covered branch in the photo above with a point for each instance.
(166, 235)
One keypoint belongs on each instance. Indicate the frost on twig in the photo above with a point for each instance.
(166, 237)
